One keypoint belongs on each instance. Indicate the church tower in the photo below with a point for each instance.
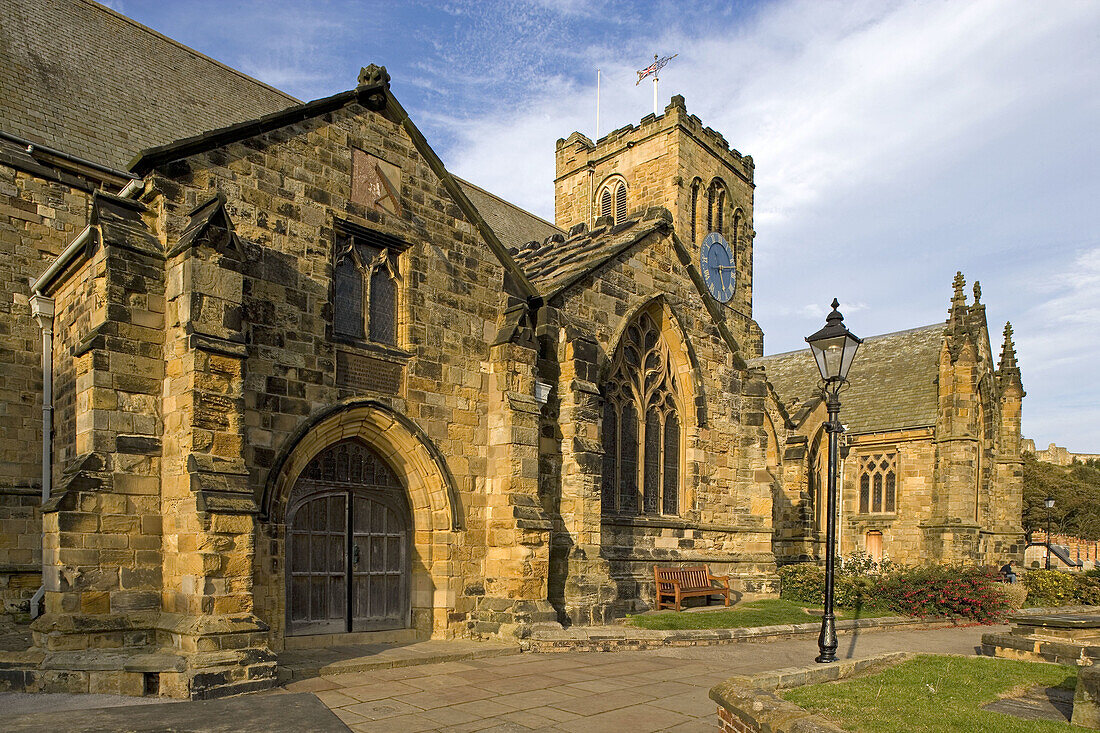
(670, 161)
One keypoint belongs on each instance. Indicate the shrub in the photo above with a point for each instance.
(1015, 594)
(803, 583)
(943, 590)
(1050, 588)
(1086, 590)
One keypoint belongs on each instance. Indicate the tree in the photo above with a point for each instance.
(1076, 492)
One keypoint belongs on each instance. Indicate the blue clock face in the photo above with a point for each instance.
(716, 264)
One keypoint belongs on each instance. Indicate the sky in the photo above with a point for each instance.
(895, 142)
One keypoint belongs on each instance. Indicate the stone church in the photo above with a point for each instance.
(304, 386)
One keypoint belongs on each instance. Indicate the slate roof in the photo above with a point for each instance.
(83, 79)
(513, 226)
(892, 380)
(556, 262)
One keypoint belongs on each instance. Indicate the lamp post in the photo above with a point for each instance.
(833, 348)
(1049, 504)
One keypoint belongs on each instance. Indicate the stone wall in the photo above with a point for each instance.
(284, 192)
(726, 500)
(38, 216)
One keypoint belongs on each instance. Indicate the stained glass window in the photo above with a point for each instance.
(364, 290)
(641, 426)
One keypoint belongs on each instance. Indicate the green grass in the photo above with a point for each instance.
(767, 612)
(940, 693)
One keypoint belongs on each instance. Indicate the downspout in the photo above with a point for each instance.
(42, 310)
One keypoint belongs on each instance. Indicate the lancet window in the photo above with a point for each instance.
(642, 432)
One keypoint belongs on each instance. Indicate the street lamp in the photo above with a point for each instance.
(834, 348)
(1049, 504)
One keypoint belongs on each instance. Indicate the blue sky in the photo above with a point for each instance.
(895, 143)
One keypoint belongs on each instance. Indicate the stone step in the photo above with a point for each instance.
(295, 664)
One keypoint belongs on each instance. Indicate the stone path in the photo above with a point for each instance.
(585, 692)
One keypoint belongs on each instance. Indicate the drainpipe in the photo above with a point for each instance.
(42, 309)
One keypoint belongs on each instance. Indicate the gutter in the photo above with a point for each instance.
(42, 309)
(31, 147)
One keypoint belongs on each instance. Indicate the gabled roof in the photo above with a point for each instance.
(893, 381)
(90, 82)
(513, 226)
(555, 263)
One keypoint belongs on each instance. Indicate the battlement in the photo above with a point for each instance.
(579, 150)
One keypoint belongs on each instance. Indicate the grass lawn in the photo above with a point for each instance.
(935, 693)
(767, 612)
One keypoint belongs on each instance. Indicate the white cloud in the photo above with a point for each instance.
(893, 145)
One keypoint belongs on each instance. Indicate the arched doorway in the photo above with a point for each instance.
(348, 536)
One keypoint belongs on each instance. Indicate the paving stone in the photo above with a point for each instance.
(533, 699)
(378, 709)
(635, 718)
(378, 690)
(594, 704)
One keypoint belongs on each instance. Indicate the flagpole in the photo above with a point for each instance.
(655, 94)
(597, 106)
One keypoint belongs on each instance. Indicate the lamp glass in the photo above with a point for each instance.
(1049, 502)
(834, 355)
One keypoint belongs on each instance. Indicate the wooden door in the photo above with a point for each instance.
(348, 511)
(380, 576)
(874, 545)
(318, 542)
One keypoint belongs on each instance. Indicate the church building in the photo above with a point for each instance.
(302, 386)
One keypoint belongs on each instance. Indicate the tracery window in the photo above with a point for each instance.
(641, 426)
(364, 290)
(878, 483)
(613, 200)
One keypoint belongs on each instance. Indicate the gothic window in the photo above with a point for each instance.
(878, 483)
(641, 426)
(364, 291)
(716, 206)
(695, 185)
(612, 200)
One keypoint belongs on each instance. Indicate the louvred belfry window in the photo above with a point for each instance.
(641, 426)
(612, 200)
(878, 483)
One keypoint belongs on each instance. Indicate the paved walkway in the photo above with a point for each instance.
(585, 692)
(582, 692)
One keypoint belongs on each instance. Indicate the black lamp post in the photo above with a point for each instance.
(834, 348)
(1049, 504)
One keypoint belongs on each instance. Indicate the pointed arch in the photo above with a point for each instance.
(611, 198)
(433, 493)
(648, 387)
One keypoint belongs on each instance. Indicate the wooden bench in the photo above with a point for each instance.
(681, 583)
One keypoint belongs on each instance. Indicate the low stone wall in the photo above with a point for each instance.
(626, 638)
(750, 704)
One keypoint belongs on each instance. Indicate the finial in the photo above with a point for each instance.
(977, 292)
(1008, 350)
(959, 283)
(374, 76)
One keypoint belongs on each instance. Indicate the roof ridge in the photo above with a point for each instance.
(865, 338)
(199, 54)
(506, 202)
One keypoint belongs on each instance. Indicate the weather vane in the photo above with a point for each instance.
(653, 70)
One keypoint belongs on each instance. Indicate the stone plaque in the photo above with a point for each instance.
(374, 182)
(366, 373)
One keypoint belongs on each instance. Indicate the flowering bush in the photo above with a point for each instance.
(944, 590)
(1050, 588)
(937, 590)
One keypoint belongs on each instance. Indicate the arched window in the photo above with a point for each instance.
(716, 206)
(695, 186)
(612, 200)
(641, 426)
